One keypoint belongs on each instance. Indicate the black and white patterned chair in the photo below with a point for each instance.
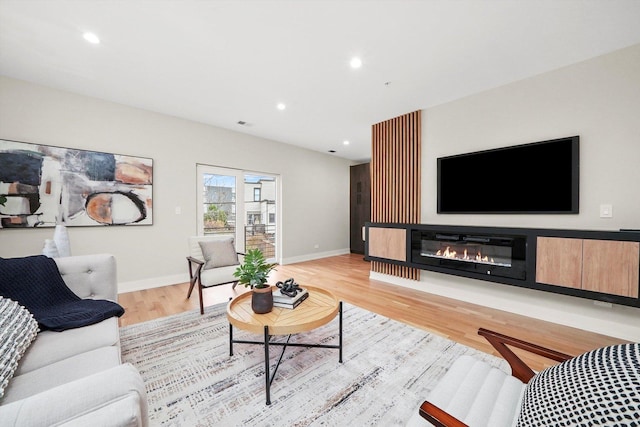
(597, 388)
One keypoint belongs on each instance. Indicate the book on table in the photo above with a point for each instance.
(285, 301)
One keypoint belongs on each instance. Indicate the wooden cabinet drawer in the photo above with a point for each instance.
(559, 261)
(611, 267)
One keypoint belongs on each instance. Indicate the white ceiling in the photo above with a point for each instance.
(219, 62)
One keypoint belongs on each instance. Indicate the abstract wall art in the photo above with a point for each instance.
(41, 186)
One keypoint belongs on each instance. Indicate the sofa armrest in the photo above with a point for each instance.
(114, 397)
(90, 276)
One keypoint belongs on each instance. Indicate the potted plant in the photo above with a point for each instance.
(254, 273)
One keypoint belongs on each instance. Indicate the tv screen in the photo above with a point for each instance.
(536, 178)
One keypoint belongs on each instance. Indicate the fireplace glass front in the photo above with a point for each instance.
(497, 255)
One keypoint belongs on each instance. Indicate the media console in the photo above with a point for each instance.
(598, 265)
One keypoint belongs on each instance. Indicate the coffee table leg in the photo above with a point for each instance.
(230, 339)
(266, 364)
(340, 350)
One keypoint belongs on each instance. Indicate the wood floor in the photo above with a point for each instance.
(347, 276)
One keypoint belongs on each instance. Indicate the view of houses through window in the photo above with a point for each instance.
(239, 204)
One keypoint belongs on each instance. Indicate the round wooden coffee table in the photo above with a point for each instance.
(318, 309)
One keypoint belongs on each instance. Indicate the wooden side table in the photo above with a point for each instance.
(318, 309)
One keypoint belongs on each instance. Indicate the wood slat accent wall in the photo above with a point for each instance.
(395, 179)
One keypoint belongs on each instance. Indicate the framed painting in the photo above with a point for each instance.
(42, 185)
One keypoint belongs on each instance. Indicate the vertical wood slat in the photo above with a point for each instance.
(395, 179)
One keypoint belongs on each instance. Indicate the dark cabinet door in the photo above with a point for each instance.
(360, 204)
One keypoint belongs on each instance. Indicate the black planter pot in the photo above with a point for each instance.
(262, 300)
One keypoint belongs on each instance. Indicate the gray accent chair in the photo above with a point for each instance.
(203, 277)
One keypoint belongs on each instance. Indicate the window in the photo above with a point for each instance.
(230, 202)
(253, 218)
(219, 200)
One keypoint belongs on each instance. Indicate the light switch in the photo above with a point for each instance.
(178, 210)
(606, 211)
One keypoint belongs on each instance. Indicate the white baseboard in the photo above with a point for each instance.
(615, 321)
(317, 255)
(400, 281)
(155, 282)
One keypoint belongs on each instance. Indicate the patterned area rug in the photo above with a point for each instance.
(388, 369)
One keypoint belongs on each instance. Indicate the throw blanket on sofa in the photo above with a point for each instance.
(36, 283)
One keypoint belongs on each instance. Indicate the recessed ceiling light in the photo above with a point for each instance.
(345, 142)
(356, 62)
(281, 106)
(91, 38)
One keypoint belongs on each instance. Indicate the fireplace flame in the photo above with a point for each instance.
(449, 253)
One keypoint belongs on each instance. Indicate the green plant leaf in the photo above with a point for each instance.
(255, 270)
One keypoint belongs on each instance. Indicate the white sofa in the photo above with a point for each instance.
(76, 377)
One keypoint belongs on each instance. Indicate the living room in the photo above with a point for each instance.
(597, 98)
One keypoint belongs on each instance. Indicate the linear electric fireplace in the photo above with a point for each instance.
(596, 265)
(490, 254)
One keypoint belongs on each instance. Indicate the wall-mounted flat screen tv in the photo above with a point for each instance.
(537, 178)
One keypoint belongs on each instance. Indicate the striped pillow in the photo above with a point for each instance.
(18, 329)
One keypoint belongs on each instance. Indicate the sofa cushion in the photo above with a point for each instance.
(114, 397)
(50, 346)
(18, 329)
(218, 276)
(62, 372)
(219, 253)
(478, 394)
(601, 387)
(90, 276)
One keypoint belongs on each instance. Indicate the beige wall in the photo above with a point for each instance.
(315, 186)
(599, 100)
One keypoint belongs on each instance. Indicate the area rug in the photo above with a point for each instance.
(388, 369)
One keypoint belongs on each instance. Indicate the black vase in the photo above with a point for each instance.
(262, 300)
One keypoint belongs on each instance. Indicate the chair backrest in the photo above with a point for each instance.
(194, 244)
(599, 387)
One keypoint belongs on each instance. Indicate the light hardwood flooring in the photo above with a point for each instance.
(347, 276)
